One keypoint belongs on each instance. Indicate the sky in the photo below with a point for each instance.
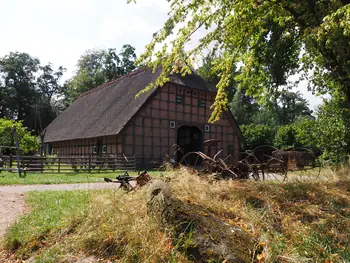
(61, 31)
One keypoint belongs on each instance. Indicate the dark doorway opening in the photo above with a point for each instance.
(189, 139)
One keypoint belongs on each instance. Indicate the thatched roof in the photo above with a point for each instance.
(106, 109)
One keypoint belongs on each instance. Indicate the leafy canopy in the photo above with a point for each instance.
(270, 39)
(257, 135)
(27, 88)
(27, 142)
(96, 67)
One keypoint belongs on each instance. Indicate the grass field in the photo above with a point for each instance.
(295, 222)
(7, 178)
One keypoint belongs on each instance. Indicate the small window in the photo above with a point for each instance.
(104, 149)
(206, 128)
(201, 103)
(172, 124)
(180, 99)
(94, 149)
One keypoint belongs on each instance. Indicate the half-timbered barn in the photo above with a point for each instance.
(110, 121)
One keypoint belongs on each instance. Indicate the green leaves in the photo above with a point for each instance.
(96, 67)
(257, 135)
(27, 88)
(28, 142)
(264, 39)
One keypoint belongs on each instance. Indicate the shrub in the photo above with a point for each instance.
(286, 137)
(27, 142)
(256, 135)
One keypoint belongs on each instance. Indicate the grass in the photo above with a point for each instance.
(295, 221)
(7, 178)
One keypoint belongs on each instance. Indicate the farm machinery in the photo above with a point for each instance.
(262, 163)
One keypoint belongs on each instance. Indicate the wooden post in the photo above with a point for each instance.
(59, 164)
(11, 161)
(42, 163)
(90, 163)
(14, 132)
(135, 163)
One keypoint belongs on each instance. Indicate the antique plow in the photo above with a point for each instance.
(125, 179)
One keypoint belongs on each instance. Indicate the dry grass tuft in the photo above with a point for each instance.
(295, 222)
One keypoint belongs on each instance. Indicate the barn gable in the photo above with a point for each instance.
(106, 109)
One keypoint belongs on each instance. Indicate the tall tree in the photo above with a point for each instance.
(96, 67)
(244, 108)
(18, 72)
(27, 89)
(291, 105)
(266, 37)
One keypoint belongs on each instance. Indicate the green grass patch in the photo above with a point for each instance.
(7, 178)
(53, 214)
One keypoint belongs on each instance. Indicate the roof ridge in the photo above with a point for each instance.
(109, 83)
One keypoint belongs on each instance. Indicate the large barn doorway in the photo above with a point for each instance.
(189, 139)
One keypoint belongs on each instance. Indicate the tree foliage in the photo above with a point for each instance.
(269, 38)
(243, 107)
(257, 135)
(27, 88)
(27, 141)
(332, 132)
(96, 67)
(285, 137)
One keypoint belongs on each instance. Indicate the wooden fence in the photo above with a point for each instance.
(64, 164)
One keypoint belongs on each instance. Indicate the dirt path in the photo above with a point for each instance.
(12, 202)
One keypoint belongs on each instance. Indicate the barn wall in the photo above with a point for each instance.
(89, 146)
(149, 137)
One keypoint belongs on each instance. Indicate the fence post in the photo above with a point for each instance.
(59, 164)
(135, 163)
(11, 161)
(42, 163)
(90, 163)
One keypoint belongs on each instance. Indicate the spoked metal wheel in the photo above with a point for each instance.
(303, 165)
(195, 160)
(275, 168)
(251, 165)
(307, 174)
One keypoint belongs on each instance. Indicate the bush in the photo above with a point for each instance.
(27, 142)
(286, 137)
(330, 132)
(256, 135)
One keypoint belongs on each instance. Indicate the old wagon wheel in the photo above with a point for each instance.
(196, 160)
(248, 165)
(306, 164)
(275, 168)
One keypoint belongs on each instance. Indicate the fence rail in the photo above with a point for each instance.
(67, 164)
